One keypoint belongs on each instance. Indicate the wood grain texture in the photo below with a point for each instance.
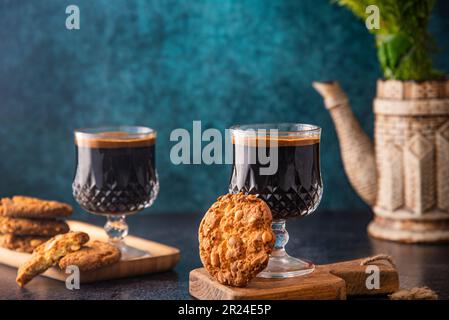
(328, 282)
(161, 258)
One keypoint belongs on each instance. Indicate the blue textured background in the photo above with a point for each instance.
(164, 63)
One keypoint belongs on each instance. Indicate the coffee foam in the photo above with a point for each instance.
(114, 139)
(272, 141)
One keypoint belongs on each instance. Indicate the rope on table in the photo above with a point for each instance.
(417, 293)
(376, 258)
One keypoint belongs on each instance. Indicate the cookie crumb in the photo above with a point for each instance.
(418, 293)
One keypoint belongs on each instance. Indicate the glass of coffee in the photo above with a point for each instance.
(279, 163)
(116, 176)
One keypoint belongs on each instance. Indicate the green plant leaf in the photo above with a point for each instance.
(403, 43)
(392, 49)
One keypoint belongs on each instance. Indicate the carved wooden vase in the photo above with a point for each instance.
(404, 174)
(412, 160)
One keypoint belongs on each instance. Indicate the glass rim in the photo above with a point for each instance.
(253, 129)
(131, 132)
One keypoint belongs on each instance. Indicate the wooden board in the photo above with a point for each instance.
(160, 258)
(328, 282)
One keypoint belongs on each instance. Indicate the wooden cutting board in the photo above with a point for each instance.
(160, 258)
(328, 282)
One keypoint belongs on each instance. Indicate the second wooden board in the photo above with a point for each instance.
(328, 282)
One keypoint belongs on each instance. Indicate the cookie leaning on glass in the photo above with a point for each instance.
(236, 239)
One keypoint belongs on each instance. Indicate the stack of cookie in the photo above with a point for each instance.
(26, 223)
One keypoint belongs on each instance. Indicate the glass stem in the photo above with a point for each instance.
(281, 234)
(116, 228)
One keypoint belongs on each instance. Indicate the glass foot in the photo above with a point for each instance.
(281, 265)
(286, 267)
(117, 229)
(128, 252)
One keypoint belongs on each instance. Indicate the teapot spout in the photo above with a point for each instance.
(356, 148)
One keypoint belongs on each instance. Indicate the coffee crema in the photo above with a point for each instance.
(115, 139)
(116, 172)
(295, 189)
(273, 141)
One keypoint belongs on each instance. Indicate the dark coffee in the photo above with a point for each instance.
(115, 174)
(295, 189)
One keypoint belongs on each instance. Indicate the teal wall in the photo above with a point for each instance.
(164, 63)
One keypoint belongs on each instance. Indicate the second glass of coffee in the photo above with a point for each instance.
(116, 176)
(279, 163)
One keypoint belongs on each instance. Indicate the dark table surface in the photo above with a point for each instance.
(323, 237)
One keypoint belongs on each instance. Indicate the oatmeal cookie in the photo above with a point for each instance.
(21, 243)
(32, 227)
(94, 255)
(28, 207)
(236, 239)
(49, 253)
